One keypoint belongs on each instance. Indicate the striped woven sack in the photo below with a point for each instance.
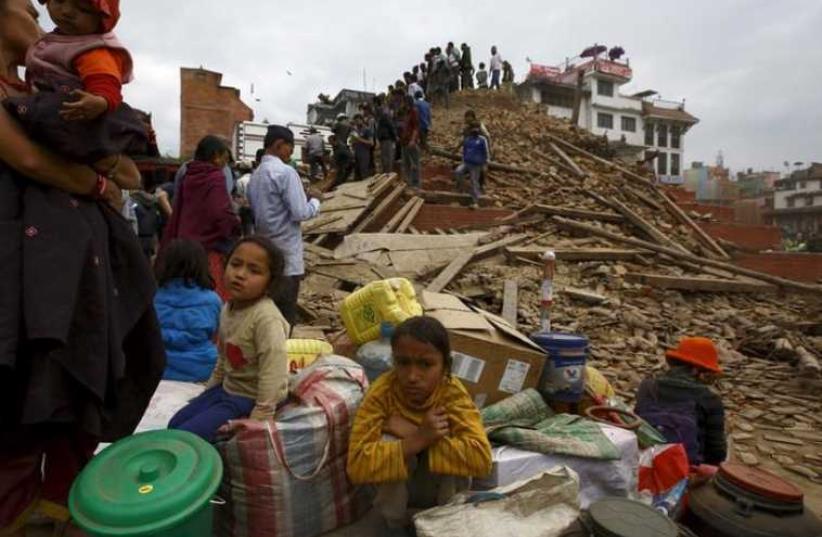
(286, 477)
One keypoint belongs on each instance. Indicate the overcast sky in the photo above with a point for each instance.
(750, 70)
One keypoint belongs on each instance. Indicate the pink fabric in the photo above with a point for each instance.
(52, 57)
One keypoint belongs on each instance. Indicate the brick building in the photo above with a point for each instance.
(206, 107)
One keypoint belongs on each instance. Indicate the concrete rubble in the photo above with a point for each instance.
(635, 273)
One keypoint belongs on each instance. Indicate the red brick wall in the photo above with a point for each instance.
(748, 237)
(446, 217)
(680, 195)
(207, 108)
(802, 267)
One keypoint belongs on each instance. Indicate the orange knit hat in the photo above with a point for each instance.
(697, 351)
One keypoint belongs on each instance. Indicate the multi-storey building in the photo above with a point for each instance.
(798, 203)
(639, 124)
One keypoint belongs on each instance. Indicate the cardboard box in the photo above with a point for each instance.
(491, 358)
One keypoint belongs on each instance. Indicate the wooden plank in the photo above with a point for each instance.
(324, 253)
(568, 160)
(510, 302)
(631, 175)
(646, 199)
(377, 212)
(700, 233)
(414, 231)
(699, 284)
(594, 230)
(583, 295)
(311, 227)
(399, 216)
(367, 242)
(440, 197)
(410, 216)
(563, 254)
(455, 267)
(556, 162)
(678, 213)
(579, 213)
(450, 272)
(648, 228)
(493, 247)
(418, 263)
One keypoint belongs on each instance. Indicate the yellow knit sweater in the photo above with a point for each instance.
(464, 452)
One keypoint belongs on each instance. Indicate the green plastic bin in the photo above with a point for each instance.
(158, 483)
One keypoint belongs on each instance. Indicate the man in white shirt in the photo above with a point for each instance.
(495, 66)
(280, 205)
(315, 147)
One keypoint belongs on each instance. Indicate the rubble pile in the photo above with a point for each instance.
(634, 272)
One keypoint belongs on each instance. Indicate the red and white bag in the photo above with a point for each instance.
(286, 477)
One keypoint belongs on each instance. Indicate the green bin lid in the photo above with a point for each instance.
(621, 517)
(145, 483)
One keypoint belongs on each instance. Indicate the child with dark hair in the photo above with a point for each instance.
(79, 70)
(251, 375)
(188, 310)
(417, 435)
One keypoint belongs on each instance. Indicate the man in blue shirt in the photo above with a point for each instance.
(280, 205)
(424, 111)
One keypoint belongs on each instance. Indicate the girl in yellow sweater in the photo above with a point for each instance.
(418, 435)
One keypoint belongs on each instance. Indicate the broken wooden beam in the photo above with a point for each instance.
(673, 207)
(399, 216)
(646, 227)
(631, 175)
(442, 197)
(510, 304)
(450, 272)
(644, 198)
(455, 267)
(410, 215)
(711, 285)
(703, 237)
(583, 295)
(311, 227)
(782, 282)
(568, 160)
(381, 208)
(324, 253)
(579, 213)
(534, 253)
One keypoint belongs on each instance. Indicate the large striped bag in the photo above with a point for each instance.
(286, 477)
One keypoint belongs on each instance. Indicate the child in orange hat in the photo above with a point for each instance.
(680, 404)
(79, 70)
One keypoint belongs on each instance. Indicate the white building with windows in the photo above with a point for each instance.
(797, 202)
(640, 125)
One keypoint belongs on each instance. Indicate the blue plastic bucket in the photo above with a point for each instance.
(563, 378)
